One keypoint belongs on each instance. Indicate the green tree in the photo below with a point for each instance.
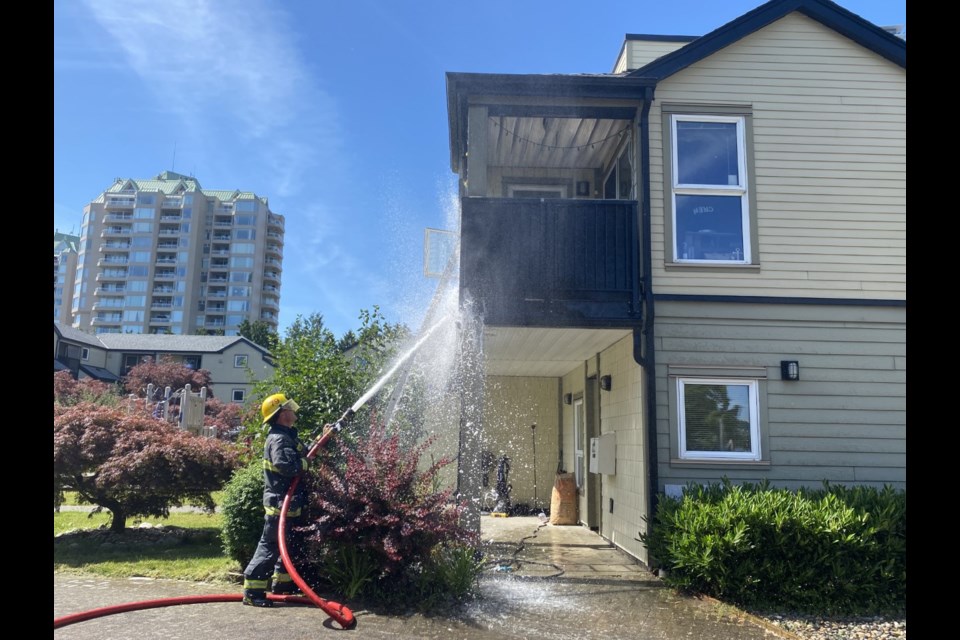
(260, 333)
(313, 369)
(134, 464)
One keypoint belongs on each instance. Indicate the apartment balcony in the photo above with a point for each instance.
(172, 202)
(170, 217)
(108, 319)
(112, 259)
(169, 232)
(99, 291)
(114, 246)
(273, 262)
(223, 223)
(167, 245)
(110, 276)
(161, 304)
(268, 315)
(160, 318)
(213, 324)
(166, 261)
(216, 294)
(271, 275)
(118, 217)
(224, 209)
(275, 221)
(162, 290)
(216, 308)
(108, 303)
(120, 202)
(273, 303)
(274, 235)
(271, 288)
(274, 249)
(218, 280)
(221, 237)
(116, 231)
(164, 274)
(551, 262)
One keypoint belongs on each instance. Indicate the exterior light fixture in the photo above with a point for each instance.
(606, 382)
(789, 370)
(568, 398)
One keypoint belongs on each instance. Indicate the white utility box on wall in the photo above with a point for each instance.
(603, 454)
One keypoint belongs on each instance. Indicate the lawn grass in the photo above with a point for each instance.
(185, 546)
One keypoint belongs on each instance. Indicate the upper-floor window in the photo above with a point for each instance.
(239, 361)
(245, 205)
(710, 197)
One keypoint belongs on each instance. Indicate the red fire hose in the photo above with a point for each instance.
(338, 612)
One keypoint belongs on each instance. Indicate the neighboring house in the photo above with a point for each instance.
(234, 362)
(693, 267)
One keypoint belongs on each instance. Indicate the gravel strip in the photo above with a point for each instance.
(846, 628)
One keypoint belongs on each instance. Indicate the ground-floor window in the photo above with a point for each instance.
(719, 419)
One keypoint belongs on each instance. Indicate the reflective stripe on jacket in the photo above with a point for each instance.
(283, 455)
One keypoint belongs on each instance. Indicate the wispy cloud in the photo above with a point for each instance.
(230, 66)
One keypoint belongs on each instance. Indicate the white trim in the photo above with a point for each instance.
(753, 414)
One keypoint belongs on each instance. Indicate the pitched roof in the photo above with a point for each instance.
(154, 342)
(75, 335)
(99, 373)
(168, 343)
(877, 39)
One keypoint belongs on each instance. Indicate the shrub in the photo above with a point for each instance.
(373, 505)
(242, 509)
(67, 390)
(133, 464)
(834, 550)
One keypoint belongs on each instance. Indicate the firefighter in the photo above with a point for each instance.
(284, 457)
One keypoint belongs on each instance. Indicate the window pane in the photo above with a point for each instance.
(707, 153)
(717, 417)
(710, 228)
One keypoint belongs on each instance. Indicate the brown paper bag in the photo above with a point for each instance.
(563, 502)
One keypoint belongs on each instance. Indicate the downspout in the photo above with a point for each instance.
(643, 338)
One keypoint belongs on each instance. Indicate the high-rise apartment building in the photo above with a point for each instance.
(64, 270)
(165, 255)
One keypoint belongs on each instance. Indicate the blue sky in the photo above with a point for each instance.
(335, 111)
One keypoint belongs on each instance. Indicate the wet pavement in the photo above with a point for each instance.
(543, 581)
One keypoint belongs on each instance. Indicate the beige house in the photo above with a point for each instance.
(234, 362)
(692, 267)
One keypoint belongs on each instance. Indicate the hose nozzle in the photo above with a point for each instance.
(346, 416)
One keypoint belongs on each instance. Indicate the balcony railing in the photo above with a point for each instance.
(552, 262)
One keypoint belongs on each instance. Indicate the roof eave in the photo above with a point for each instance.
(827, 13)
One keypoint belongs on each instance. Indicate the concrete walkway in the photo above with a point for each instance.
(544, 581)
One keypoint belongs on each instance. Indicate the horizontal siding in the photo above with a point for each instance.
(642, 52)
(829, 164)
(843, 421)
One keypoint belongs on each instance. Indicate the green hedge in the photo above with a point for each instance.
(242, 508)
(838, 550)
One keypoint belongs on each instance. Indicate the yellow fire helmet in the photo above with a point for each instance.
(274, 403)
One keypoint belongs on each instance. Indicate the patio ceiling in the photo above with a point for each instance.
(552, 142)
(547, 352)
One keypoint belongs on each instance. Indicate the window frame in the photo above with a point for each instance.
(233, 395)
(237, 364)
(743, 116)
(753, 386)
